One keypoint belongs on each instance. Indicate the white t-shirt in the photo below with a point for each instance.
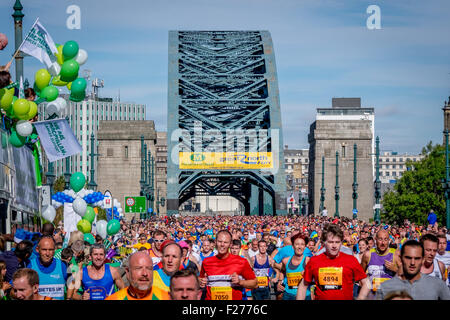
(324, 213)
(252, 253)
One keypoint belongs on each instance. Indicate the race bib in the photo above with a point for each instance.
(376, 283)
(330, 278)
(293, 279)
(221, 293)
(262, 281)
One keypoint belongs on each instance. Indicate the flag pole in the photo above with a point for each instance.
(8, 65)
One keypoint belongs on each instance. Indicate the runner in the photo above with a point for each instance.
(184, 285)
(52, 272)
(26, 285)
(262, 266)
(187, 261)
(443, 255)
(225, 274)
(142, 243)
(333, 272)
(140, 276)
(253, 249)
(170, 263)
(419, 286)
(293, 267)
(155, 251)
(98, 279)
(431, 265)
(380, 262)
(206, 251)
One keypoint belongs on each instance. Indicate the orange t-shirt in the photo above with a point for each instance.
(124, 295)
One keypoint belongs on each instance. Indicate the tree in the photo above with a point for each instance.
(419, 190)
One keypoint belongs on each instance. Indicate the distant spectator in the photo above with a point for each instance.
(16, 259)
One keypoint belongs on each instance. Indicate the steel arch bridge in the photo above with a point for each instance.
(224, 123)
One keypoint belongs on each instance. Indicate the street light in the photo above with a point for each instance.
(377, 181)
(446, 182)
(92, 185)
(355, 183)
(336, 188)
(142, 181)
(322, 190)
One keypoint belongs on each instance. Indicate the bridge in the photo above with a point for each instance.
(224, 123)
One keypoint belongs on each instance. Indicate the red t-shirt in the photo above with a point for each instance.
(219, 271)
(334, 278)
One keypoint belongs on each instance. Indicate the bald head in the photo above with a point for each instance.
(140, 271)
(382, 240)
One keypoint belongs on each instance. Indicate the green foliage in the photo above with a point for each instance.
(419, 190)
(59, 185)
(101, 215)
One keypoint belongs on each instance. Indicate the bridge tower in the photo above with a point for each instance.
(224, 121)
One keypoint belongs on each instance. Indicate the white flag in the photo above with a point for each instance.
(57, 139)
(39, 44)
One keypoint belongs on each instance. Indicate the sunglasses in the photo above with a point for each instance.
(158, 240)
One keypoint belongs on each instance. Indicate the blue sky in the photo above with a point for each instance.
(323, 49)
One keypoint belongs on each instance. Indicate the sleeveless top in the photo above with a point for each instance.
(262, 272)
(294, 276)
(101, 288)
(376, 270)
(202, 257)
(436, 271)
(51, 284)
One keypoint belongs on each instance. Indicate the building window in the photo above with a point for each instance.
(126, 152)
(387, 173)
(394, 160)
(109, 152)
(394, 166)
(387, 159)
(394, 173)
(401, 159)
(414, 159)
(343, 151)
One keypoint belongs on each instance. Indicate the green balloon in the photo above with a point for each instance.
(90, 214)
(84, 226)
(16, 140)
(50, 93)
(42, 78)
(113, 227)
(69, 70)
(77, 181)
(78, 86)
(88, 237)
(77, 97)
(21, 106)
(70, 50)
(6, 98)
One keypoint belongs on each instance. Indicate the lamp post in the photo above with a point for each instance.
(322, 190)
(336, 188)
(18, 18)
(159, 201)
(377, 181)
(92, 185)
(355, 183)
(142, 181)
(446, 182)
(50, 176)
(151, 172)
(304, 202)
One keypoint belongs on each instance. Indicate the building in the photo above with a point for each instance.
(119, 160)
(296, 164)
(337, 130)
(392, 165)
(84, 118)
(161, 172)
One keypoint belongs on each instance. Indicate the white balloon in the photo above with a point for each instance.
(54, 69)
(52, 108)
(24, 128)
(79, 206)
(119, 210)
(81, 57)
(101, 228)
(56, 204)
(49, 213)
(62, 104)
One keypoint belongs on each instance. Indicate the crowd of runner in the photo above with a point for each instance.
(231, 258)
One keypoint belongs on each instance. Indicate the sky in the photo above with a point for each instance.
(323, 49)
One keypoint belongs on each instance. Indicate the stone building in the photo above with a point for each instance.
(161, 171)
(119, 160)
(337, 129)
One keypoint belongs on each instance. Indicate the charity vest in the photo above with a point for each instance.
(101, 288)
(262, 273)
(376, 269)
(50, 284)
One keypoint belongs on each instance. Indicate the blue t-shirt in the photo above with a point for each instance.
(48, 269)
(288, 251)
(432, 218)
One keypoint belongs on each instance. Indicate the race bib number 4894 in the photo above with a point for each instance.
(221, 293)
(330, 278)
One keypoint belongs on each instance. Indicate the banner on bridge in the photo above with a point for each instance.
(226, 160)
